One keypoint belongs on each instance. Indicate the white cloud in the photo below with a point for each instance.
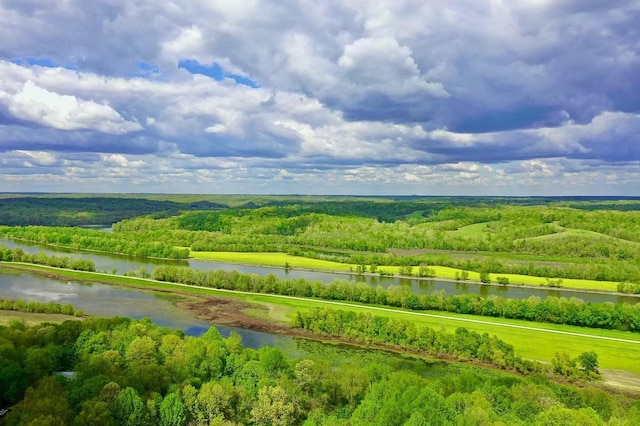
(64, 112)
(363, 91)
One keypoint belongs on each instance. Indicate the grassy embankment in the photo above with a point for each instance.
(32, 318)
(298, 262)
(533, 340)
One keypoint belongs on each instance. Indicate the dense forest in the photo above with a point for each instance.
(96, 210)
(135, 373)
(558, 240)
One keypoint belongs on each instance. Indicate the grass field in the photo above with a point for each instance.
(539, 341)
(272, 259)
(573, 232)
(280, 259)
(471, 230)
(33, 318)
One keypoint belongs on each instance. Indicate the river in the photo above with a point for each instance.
(120, 264)
(107, 301)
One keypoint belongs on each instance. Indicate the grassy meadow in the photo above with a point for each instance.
(299, 262)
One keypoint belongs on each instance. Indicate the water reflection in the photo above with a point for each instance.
(121, 264)
(108, 301)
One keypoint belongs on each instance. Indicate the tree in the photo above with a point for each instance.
(213, 401)
(141, 351)
(485, 277)
(94, 413)
(589, 362)
(426, 271)
(45, 403)
(563, 365)
(129, 408)
(172, 411)
(273, 407)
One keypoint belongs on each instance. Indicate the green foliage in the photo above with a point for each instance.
(88, 239)
(369, 329)
(18, 255)
(74, 211)
(38, 307)
(268, 387)
(129, 408)
(564, 365)
(571, 311)
(589, 362)
(273, 407)
(172, 411)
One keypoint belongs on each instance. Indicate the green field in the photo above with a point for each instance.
(280, 259)
(31, 318)
(539, 341)
(474, 230)
(573, 232)
(272, 259)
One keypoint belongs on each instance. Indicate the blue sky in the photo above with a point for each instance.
(477, 97)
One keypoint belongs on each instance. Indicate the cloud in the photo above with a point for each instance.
(64, 112)
(310, 94)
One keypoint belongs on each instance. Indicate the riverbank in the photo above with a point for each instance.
(32, 318)
(616, 349)
(442, 273)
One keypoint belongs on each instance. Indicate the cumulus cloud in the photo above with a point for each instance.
(363, 92)
(64, 112)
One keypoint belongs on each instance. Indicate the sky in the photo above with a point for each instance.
(376, 97)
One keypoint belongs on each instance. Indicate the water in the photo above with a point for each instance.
(121, 264)
(108, 301)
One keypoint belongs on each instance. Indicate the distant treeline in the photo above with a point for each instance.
(555, 310)
(74, 211)
(610, 240)
(87, 239)
(39, 307)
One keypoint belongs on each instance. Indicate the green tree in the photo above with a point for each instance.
(273, 407)
(94, 413)
(45, 403)
(129, 408)
(589, 362)
(172, 411)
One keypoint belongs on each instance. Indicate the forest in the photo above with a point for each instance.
(558, 240)
(121, 371)
(74, 210)
(135, 373)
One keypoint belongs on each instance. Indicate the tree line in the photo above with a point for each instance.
(87, 239)
(66, 262)
(88, 210)
(462, 344)
(570, 311)
(39, 307)
(611, 238)
(370, 329)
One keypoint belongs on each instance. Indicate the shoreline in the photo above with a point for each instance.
(350, 273)
(448, 280)
(232, 314)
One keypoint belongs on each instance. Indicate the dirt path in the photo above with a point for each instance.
(232, 312)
